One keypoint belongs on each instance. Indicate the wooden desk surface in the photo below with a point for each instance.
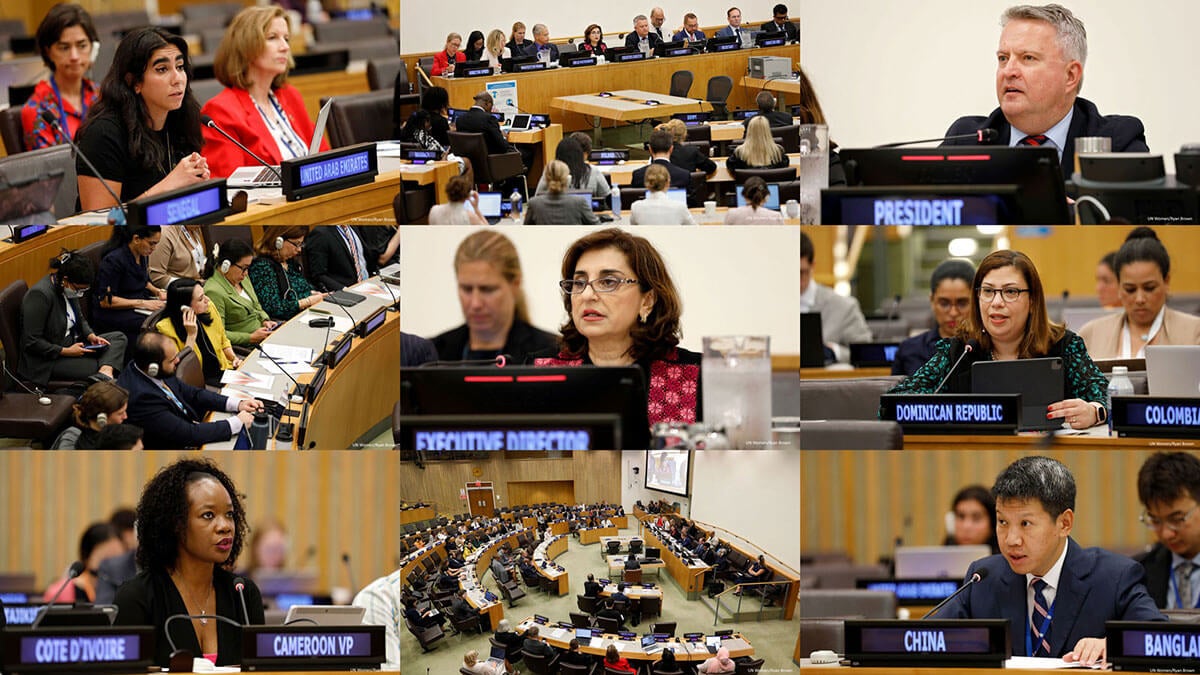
(30, 260)
(622, 174)
(737, 643)
(628, 105)
(369, 204)
(1010, 441)
(842, 373)
(758, 84)
(416, 515)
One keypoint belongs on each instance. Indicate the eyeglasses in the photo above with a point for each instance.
(297, 244)
(243, 268)
(601, 285)
(1010, 294)
(945, 305)
(1174, 522)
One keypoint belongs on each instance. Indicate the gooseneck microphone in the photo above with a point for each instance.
(182, 654)
(49, 118)
(984, 136)
(300, 388)
(239, 584)
(73, 571)
(208, 122)
(980, 575)
(967, 349)
(349, 571)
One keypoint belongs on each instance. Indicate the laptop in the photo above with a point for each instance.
(678, 195)
(498, 655)
(1076, 317)
(520, 122)
(327, 615)
(586, 197)
(772, 198)
(812, 345)
(873, 354)
(937, 562)
(261, 176)
(29, 202)
(650, 645)
(713, 643)
(1040, 382)
(494, 206)
(1173, 370)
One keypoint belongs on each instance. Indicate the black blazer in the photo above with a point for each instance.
(680, 177)
(167, 426)
(591, 588)
(1126, 132)
(690, 158)
(793, 33)
(1157, 563)
(523, 49)
(632, 39)
(329, 263)
(775, 118)
(523, 341)
(43, 325)
(477, 120)
(415, 350)
(150, 597)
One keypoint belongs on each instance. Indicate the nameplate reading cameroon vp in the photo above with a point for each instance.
(325, 172)
(1156, 416)
(971, 643)
(1154, 647)
(311, 647)
(952, 413)
(78, 649)
(198, 204)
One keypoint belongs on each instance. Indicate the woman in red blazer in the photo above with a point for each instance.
(443, 61)
(256, 107)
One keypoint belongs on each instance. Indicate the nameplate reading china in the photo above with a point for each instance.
(198, 204)
(309, 647)
(1154, 647)
(78, 649)
(330, 171)
(952, 413)
(1156, 416)
(979, 643)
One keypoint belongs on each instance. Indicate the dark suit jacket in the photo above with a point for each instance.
(591, 588)
(1157, 564)
(1127, 133)
(1095, 586)
(632, 39)
(415, 350)
(519, 50)
(680, 177)
(690, 158)
(43, 323)
(150, 597)
(329, 263)
(165, 424)
(775, 118)
(523, 340)
(793, 33)
(538, 647)
(477, 120)
(114, 572)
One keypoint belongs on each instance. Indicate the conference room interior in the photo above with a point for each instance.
(888, 269)
(350, 407)
(554, 494)
(322, 526)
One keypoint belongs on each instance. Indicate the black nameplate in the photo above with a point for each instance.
(577, 62)
(677, 51)
(330, 171)
(1156, 416)
(527, 67)
(198, 204)
(78, 649)
(22, 613)
(22, 233)
(481, 71)
(952, 413)
(979, 643)
(631, 56)
(767, 40)
(310, 647)
(507, 432)
(913, 592)
(1154, 647)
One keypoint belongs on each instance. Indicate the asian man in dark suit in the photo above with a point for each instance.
(661, 146)
(336, 257)
(1038, 77)
(1055, 594)
(780, 24)
(1169, 489)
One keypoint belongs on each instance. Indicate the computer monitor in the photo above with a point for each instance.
(473, 69)
(772, 198)
(517, 64)
(1035, 171)
(673, 48)
(937, 562)
(692, 118)
(743, 115)
(577, 59)
(583, 633)
(723, 44)
(677, 195)
(451, 408)
(653, 553)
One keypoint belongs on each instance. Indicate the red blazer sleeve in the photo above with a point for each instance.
(234, 112)
(441, 61)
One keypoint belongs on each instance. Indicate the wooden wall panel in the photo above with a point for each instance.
(596, 476)
(538, 492)
(338, 502)
(860, 502)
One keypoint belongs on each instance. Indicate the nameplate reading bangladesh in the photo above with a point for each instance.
(952, 413)
(970, 642)
(280, 647)
(1156, 647)
(329, 171)
(78, 649)
(1156, 416)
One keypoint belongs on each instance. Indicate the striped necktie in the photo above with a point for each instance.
(1038, 619)
(360, 271)
(1183, 581)
(1034, 141)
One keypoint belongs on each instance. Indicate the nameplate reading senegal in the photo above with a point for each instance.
(201, 203)
(1154, 646)
(979, 642)
(951, 413)
(1166, 416)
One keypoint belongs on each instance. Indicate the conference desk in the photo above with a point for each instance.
(416, 561)
(536, 90)
(783, 86)
(626, 105)
(560, 638)
(416, 514)
(690, 578)
(616, 567)
(622, 542)
(1096, 438)
(30, 260)
(842, 373)
(593, 535)
(548, 550)
(357, 395)
(810, 669)
(545, 145)
(492, 611)
(622, 174)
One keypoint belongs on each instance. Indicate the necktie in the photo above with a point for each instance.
(1034, 141)
(1038, 620)
(355, 252)
(1183, 581)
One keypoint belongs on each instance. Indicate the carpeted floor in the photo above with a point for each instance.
(773, 641)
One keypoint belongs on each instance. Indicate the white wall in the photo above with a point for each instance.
(732, 280)
(889, 70)
(424, 25)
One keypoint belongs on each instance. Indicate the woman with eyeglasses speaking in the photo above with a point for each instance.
(1008, 320)
(623, 309)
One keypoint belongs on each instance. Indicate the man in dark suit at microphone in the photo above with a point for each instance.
(1039, 73)
(1055, 595)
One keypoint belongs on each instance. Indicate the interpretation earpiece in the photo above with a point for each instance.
(152, 370)
(278, 243)
(225, 265)
(101, 420)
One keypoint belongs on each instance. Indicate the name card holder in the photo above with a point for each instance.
(578, 61)
(529, 67)
(913, 592)
(22, 233)
(307, 647)
(1153, 646)
(77, 649)
(509, 432)
(960, 643)
(952, 413)
(481, 71)
(1156, 416)
(330, 171)
(200, 204)
(631, 56)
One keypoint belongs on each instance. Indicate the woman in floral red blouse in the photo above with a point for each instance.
(624, 310)
(65, 39)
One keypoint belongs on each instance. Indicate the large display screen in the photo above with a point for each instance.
(668, 471)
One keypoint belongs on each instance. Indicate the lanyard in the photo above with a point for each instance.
(1045, 627)
(62, 106)
(1127, 339)
(281, 128)
(1175, 587)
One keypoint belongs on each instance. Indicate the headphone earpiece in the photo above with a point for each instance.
(225, 265)
(278, 243)
(152, 370)
(101, 420)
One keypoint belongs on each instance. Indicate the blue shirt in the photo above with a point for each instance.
(1057, 134)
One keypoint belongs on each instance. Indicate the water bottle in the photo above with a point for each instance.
(515, 200)
(1119, 385)
(616, 204)
(258, 431)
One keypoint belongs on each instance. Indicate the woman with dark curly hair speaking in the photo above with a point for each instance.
(191, 526)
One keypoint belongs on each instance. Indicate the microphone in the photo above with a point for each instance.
(983, 136)
(980, 575)
(1062, 314)
(42, 399)
(208, 122)
(894, 311)
(499, 361)
(309, 554)
(353, 324)
(239, 584)
(300, 389)
(117, 213)
(395, 306)
(349, 570)
(967, 349)
(181, 654)
(73, 571)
